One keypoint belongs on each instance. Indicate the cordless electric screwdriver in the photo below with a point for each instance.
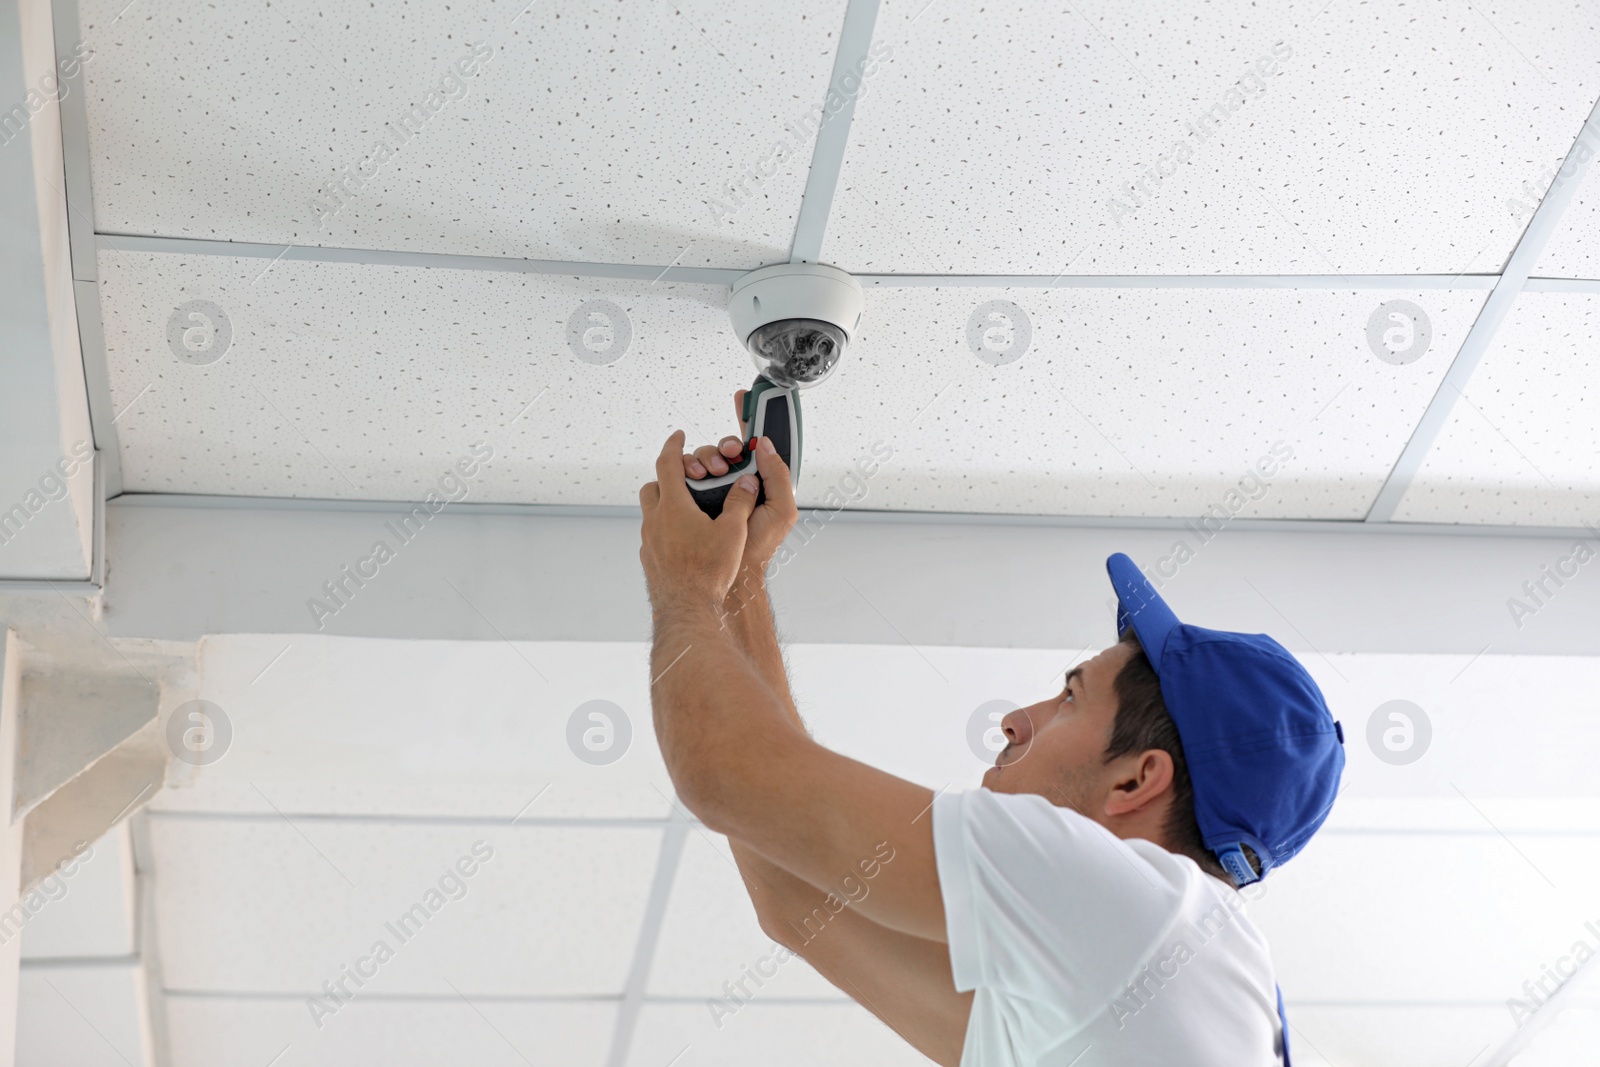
(770, 410)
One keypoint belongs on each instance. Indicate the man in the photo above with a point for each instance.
(1083, 908)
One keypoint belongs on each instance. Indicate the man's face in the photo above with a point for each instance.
(1055, 747)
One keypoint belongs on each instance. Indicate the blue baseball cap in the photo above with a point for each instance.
(1263, 750)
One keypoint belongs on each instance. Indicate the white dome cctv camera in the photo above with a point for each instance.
(796, 319)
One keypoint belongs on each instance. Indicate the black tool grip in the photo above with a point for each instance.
(769, 411)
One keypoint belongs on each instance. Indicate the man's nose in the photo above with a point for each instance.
(1017, 726)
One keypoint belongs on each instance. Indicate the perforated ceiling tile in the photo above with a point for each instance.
(1356, 138)
(1267, 403)
(1574, 248)
(351, 726)
(364, 382)
(280, 904)
(222, 1032)
(558, 130)
(371, 382)
(1520, 445)
(779, 1035)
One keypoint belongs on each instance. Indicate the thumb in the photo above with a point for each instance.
(775, 476)
(741, 499)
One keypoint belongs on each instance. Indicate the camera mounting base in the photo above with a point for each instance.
(795, 291)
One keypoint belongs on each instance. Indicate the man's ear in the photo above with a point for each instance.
(1142, 780)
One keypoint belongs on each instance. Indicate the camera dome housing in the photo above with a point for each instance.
(796, 319)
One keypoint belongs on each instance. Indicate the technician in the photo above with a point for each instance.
(1084, 907)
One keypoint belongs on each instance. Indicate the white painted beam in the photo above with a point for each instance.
(1562, 285)
(186, 246)
(46, 510)
(498, 573)
(1337, 282)
(74, 712)
(827, 154)
(74, 117)
(10, 840)
(94, 802)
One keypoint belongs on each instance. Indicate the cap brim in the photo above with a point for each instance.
(1141, 607)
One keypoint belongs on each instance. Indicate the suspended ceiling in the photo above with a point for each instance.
(1368, 146)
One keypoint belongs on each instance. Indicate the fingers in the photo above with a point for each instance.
(649, 495)
(715, 460)
(775, 476)
(712, 459)
(740, 501)
(669, 472)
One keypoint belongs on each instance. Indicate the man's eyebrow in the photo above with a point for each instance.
(1074, 675)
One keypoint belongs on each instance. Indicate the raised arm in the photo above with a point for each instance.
(901, 977)
(782, 901)
(904, 980)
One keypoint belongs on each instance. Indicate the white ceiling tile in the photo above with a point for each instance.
(90, 909)
(1131, 402)
(365, 382)
(340, 383)
(710, 935)
(269, 905)
(774, 1035)
(83, 1015)
(330, 725)
(247, 1032)
(1381, 917)
(580, 131)
(994, 138)
(1574, 248)
(1520, 445)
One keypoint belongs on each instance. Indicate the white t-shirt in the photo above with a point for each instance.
(1091, 951)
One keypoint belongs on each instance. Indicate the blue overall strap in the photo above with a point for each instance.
(1284, 1019)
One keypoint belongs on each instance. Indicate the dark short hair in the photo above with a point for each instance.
(1142, 723)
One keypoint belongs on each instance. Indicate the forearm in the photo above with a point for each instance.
(781, 898)
(777, 895)
(747, 613)
(711, 706)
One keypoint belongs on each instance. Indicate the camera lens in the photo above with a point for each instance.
(797, 352)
